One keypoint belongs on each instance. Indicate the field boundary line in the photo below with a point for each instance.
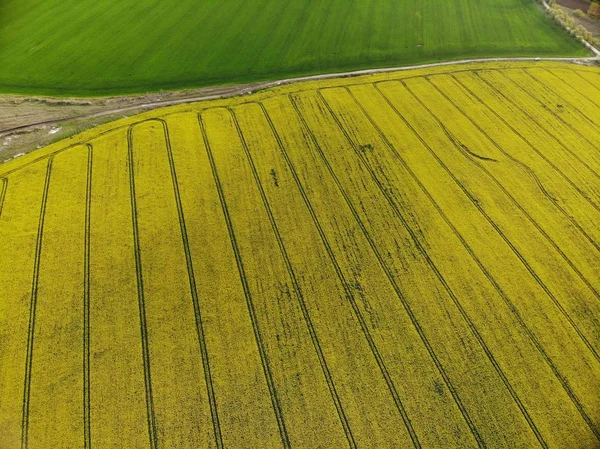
(152, 433)
(258, 87)
(484, 270)
(529, 144)
(273, 84)
(32, 308)
(86, 304)
(555, 115)
(344, 283)
(297, 290)
(438, 274)
(449, 72)
(247, 293)
(193, 290)
(498, 230)
(3, 193)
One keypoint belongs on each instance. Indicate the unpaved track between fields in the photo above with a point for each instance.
(28, 135)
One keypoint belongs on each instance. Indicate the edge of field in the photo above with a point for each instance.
(26, 121)
(275, 88)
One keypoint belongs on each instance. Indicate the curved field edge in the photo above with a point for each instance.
(90, 134)
(230, 44)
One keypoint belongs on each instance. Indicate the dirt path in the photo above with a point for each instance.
(22, 130)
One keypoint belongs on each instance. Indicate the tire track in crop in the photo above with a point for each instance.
(563, 381)
(529, 144)
(554, 114)
(146, 107)
(583, 94)
(478, 156)
(272, 84)
(393, 283)
(457, 145)
(268, 85)
(298, 292)
(529, 172)
(532, 175)
(454, 141)
(561, 96)
(141, 299)
(440, 277)
(193, 290)
(32, 309)
(577, 72)
(86, 304)
(249, 302)
(3, 193)
(495, 226)
(60, 150)
(499, 93)
(81, 142)
(360, 318)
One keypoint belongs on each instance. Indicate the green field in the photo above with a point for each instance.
(85, 47)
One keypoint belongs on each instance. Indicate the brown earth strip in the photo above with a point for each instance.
(575, 4)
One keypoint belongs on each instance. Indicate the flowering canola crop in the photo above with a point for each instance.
(409, 259)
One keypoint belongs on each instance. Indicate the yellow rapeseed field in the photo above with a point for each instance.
(401, 260)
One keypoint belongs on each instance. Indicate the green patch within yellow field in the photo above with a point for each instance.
(399, 260)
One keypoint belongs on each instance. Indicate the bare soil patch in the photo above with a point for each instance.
(27, 123)
(589, 23)
(575, 4)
